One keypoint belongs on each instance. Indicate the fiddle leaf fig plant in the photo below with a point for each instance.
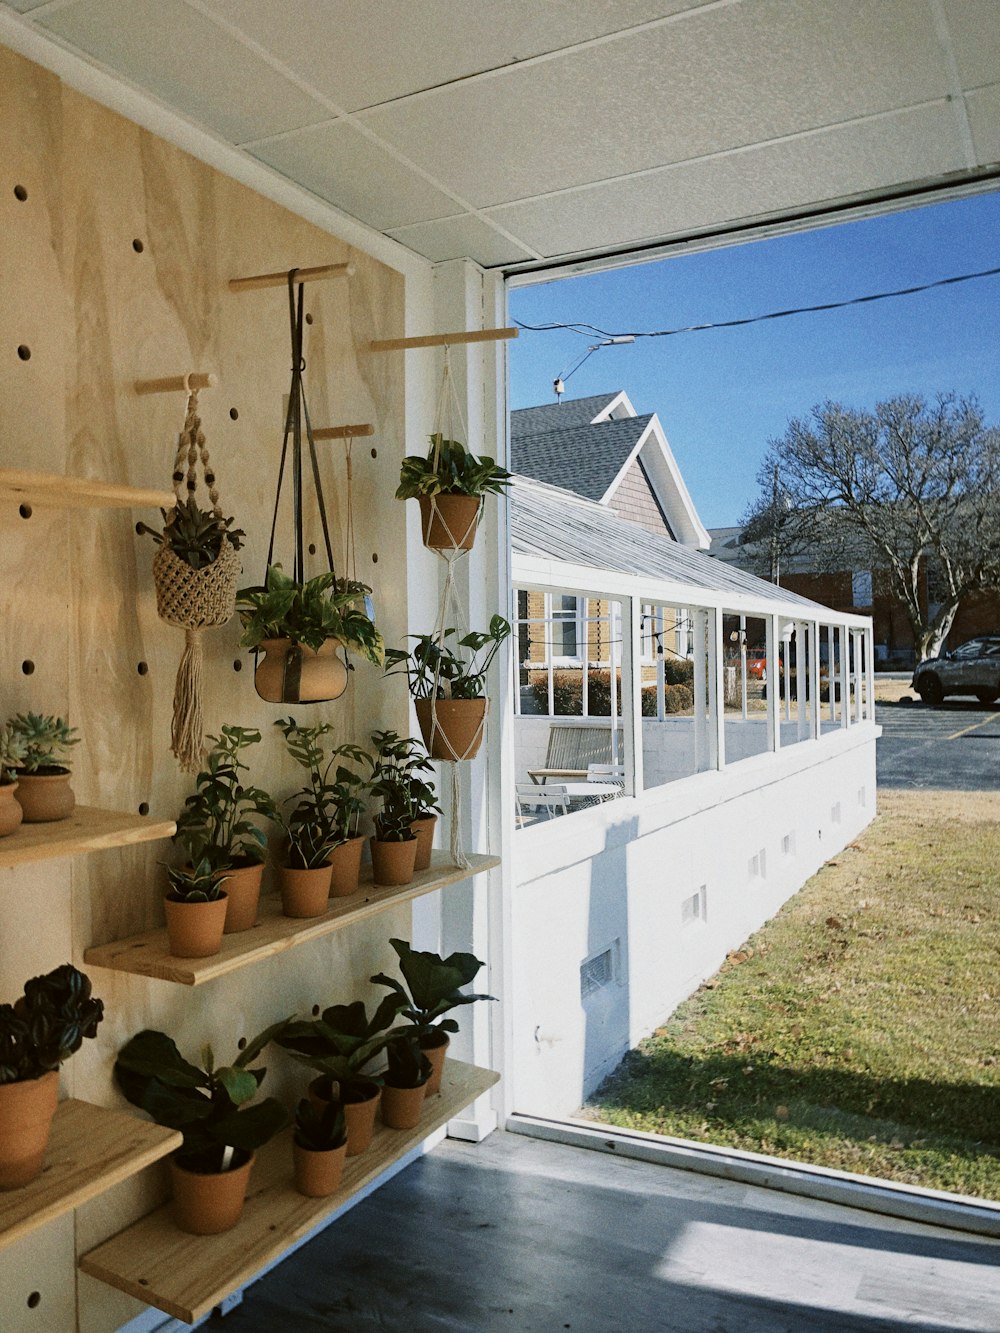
(208, 1104)
(433, 987)
(449, 469)
(215, 824)
(48, 1024)
(320, 1128)
(442, 670)
(340, 1043)
(45, 742)
(325, 607)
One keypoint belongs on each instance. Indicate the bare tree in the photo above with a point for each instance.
(908, 485)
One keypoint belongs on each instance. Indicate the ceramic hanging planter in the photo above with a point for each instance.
(452, 728)
(292, 673)
(450, 522)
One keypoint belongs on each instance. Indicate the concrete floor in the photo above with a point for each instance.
(525, 1236)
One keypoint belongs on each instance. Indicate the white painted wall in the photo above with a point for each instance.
(615, 876)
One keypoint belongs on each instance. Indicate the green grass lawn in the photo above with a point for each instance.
(860, 1028)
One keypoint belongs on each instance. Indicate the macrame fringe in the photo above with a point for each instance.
(458, 855)
(188, 727)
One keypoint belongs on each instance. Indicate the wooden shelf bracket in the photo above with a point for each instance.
(174, 383)
(442, 339)
(317, 274)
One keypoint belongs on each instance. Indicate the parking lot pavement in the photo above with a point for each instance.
(955, 746)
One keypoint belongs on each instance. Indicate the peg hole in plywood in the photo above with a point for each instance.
(315, 1011)
(234, 414)
(374, 557)
(24, 510)
(238, 664)
(20, 193)
(374, 453)
(144, 808)
(34, 1300)
(24, 352)
(241, 1045)
(28, 667)
(138, 246)
(143, 668)
(312, 548)
(309, 319)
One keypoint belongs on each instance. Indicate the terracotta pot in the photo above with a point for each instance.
(45, 797)
(242, 896)
(207, 1202)
(424, 829)
(456, 729)
(435, 1052)
(26, 1111)
(359, 1105)
(294, 674)
(453, 527)
(345, 866)
(402, 1107)
(392, 862)
(11, 813)
(304, 892)
(195, 929)
(318, 1173)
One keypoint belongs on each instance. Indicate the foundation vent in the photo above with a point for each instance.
(596, 973)
(695, 908)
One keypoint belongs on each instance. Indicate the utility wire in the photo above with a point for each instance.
(591, 330)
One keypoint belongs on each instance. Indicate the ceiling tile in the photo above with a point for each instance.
(184, 59)
(984, 117)
(363, 54)
(718, 79)
(704, 195)
(347, 169)
(974, 28)
(459, 238)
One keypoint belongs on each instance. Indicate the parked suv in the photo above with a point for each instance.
(972, 669)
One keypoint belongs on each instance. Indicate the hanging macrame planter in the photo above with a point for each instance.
(449, 522)
(193, 600)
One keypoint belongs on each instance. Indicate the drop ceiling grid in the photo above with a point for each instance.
(974, 36)
(721, 79)
(361, 55)
(738, 187)
(171, 50)
(984, 118)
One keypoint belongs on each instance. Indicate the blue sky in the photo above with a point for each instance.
(722, 394)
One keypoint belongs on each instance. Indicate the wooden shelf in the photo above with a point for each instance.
(187, 1275)
(91, 1149)
(88, 829)
(148, 955)
(51, 490)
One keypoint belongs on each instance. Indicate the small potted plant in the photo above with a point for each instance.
(216, 825)
(319, 1147)
(210, 1106)
(313, 826)
(338, 1046)
(11, 755)
(347, 792)
(37, 1033)
(300, 626)
(433, 987)
(450, 484)
(448, 683)
(43, 790)
(394, 845)
(426, 811)
(195, 906)
(404, 1084)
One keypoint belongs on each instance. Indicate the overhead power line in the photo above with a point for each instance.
(592, 330)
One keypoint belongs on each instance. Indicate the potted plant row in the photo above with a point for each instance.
(34, 749)
(447, 678)
(38, 1032)
(450, 484)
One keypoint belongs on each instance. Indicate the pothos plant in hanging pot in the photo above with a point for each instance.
(447, 679)
(43, 776)
(38, 1032)
(11, 754)
(300, 627)
(450, 484)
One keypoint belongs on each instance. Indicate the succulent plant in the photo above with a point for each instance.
(195, 884)
(194, 535)
(45, 740)
(12, 751)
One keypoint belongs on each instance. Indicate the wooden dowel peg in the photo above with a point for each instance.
(316, 274)
(344, 432)
(174, 383)
(442, 339)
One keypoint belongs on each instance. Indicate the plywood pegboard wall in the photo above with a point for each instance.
(115, 251)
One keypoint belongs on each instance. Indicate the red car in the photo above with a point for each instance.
(757, 666)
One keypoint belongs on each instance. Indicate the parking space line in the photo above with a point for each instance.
(965, 730)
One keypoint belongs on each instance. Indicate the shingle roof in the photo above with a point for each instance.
(557, 524)
(557, 416)
(581, 458)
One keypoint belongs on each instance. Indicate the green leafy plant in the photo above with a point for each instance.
(408, 1067)
(194, 535)
(339, 1045)
(310, 613)
(215, 824)
(330, 803)
(397, 762)
(453, 472)
(199, 883)
(47, 1024)
(45, 742)
(209, 1105)
(12, 752)
(320, 1128)
(433, 987)
(457, 674)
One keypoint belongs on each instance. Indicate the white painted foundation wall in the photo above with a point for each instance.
(616, 877)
